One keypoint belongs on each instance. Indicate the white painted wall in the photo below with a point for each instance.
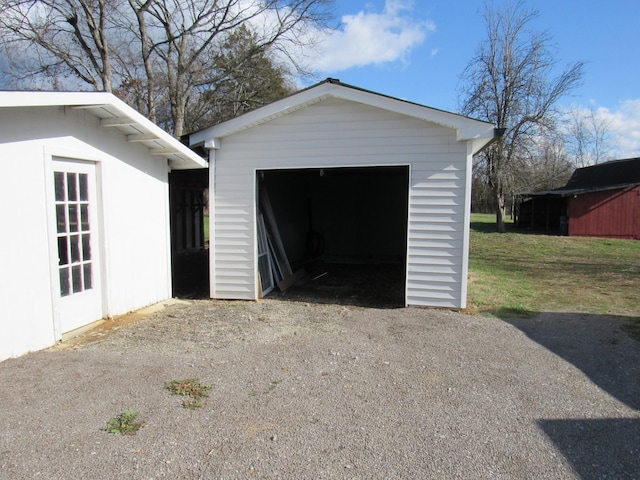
(133, 196)
(333, 133)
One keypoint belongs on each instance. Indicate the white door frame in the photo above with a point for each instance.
(74, 306)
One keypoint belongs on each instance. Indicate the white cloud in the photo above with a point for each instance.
(624, 126)
(370, 38)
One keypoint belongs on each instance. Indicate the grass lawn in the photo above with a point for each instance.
(519, 274)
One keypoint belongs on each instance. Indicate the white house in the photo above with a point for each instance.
(376, 177)
(85, 213)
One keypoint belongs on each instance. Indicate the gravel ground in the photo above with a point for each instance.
(314, 391)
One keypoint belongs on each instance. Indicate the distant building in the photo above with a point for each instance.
(598, 201)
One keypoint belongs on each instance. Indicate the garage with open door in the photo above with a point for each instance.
(352, 177)
(345, 227)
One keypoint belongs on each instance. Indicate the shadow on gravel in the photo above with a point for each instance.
(600, 348)
(598, 448)
(595, 344)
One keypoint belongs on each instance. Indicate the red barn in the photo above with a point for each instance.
(598, 201)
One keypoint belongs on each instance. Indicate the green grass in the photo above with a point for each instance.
(518, 274)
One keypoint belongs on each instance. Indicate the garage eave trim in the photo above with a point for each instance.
(113, 113)
(467, 129)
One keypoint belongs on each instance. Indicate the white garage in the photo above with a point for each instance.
(85, 211)
(354, 175)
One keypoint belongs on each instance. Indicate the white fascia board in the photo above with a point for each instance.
(50, 99)
(261, 115)
(466, 128)
(124, 114)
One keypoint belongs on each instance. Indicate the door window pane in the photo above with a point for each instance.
(64, 282)
(86, 247)
(63, 251)
(76, 278)
(61, 219)
(75, 248)
(72, 187)
(73, 218)
(59, 184)
(87, 276)
(84, 217)
(84, 187)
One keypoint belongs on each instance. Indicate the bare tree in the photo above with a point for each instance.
(69, 37)
(160, 55)
(587, 136)
(189, 36)
(509, 83)
(550, 167)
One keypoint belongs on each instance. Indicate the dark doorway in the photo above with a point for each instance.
(346, 227)
(188, 191)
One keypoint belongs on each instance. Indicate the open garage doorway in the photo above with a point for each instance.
(345, 227)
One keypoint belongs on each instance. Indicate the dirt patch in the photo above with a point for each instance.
(112, 325)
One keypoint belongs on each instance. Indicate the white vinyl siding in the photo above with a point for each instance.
(132, 201)
(340, 133)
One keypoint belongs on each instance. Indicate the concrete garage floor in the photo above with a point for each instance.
(378, 285)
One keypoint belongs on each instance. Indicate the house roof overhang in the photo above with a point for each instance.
(478, 132)
(569, 192)
(611, 175)
(112, 113)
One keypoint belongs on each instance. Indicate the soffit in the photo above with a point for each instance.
(113, 114)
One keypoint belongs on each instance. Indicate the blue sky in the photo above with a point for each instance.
(417, 50)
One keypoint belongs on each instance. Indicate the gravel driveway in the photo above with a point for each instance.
(314, 391)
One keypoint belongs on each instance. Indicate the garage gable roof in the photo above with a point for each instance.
(467, 129)
(112, 113)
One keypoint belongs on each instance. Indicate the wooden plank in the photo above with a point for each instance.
(291, 279)
(273, 232)
(264, 260)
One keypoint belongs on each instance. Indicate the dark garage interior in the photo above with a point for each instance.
(345, 227)
(189, 249)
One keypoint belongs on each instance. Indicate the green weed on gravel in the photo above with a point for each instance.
(126, 423)
(190, 387)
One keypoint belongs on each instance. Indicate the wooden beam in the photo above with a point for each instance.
(142, 137)
(88, 107)
(163, 151)
(291, 279)
(116, 122)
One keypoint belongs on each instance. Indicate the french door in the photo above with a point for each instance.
(79, 294)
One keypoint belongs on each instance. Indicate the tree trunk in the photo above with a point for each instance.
(145, 46)
(500, 212)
